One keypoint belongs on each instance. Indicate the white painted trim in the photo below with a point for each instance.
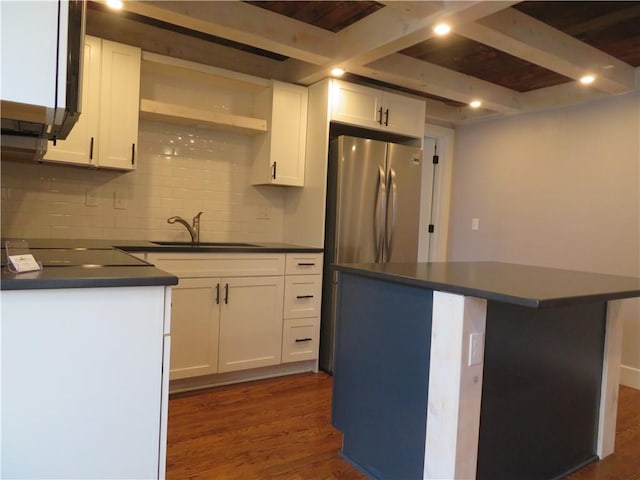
(610, 380)
(455, 388)
(442, 201)
(630, 376)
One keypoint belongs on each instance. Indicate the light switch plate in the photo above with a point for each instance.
(476, 348)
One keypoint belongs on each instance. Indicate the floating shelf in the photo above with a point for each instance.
(167, 112)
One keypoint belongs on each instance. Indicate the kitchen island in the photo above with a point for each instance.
(85, 350)
(476, 369)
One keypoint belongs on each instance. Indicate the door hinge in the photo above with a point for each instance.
(436, 159)
(432, 228)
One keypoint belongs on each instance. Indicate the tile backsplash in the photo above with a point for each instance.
(181, 171)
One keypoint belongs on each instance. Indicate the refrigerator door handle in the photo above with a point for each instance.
(381, 207)
(391, 216)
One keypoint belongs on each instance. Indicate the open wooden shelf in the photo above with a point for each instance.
(167, 112)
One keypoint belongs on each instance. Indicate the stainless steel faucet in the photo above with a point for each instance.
(193, 229)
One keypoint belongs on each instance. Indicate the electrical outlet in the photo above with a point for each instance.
(264, 212)
(475, 224)
(119, 199)
(91, 198)
(476, 348)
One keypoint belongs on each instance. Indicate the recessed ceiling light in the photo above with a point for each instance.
(587, 79)
(475, 104)
(442, 29)
(115, 4)
(337, 72)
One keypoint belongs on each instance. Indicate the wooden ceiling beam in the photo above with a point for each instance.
(173, 44)
(397, 26)
(525, 37)
(244, 23)
(426, 77)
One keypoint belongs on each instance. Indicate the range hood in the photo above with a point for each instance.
(42, 45)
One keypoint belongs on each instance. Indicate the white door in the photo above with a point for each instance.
(119, 105)
(250, 322)
(195, 322)
(356, 105)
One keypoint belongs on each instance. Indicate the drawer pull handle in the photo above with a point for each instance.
(303, 340)
(218, 294)
(226, 293)
(306, 264)
(304, 296)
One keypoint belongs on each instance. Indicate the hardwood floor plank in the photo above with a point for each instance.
(280, 429)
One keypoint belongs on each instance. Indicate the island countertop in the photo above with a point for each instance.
(525, 285)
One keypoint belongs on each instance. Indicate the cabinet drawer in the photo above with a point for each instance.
(300, 339)
(303, 263)
(190, 265)
(302, 296)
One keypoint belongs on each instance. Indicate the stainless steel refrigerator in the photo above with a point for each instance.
(373, 213)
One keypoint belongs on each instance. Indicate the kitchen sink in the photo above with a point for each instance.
(204, 244)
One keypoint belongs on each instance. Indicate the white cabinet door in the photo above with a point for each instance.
(404, 115)
(356, 105)
(250, 322)
(195, 323)
(106, 134)
(80, 146)
(375, 109)
(119, 105)
(280, 153)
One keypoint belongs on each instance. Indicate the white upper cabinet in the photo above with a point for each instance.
(106, 134)
(119, 106)
(280, 152)
(376, 109)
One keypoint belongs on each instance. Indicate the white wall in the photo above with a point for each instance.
(181, 171)
(556, 188)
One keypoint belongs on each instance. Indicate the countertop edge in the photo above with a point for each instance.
(487, 294)
(79, 277)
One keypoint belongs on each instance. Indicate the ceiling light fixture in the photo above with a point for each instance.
(115, 4)
(475, 104)
(442, 29)
(337, 72)
(587, 79)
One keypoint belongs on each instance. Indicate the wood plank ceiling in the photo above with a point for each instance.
(513, 56)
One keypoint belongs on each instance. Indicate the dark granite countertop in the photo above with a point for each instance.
(78, 263)
(504, 282)
(150, 246)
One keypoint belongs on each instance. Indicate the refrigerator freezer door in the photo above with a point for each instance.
(403, 205)
(361, 163)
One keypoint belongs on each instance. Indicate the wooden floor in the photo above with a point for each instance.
(280, 429)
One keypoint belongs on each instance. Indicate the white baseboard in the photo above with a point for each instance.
(630, 376)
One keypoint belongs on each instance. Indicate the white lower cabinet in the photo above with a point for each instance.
(84, 388)
(233, 312)
(302, 300)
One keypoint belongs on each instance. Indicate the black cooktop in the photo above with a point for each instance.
(78, 257)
